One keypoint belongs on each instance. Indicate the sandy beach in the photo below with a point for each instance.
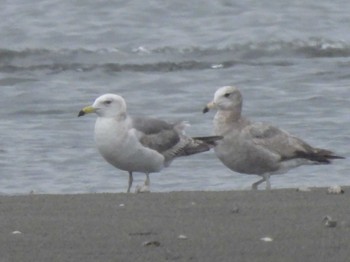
(277, 225)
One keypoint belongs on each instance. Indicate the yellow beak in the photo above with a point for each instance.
(87, 110)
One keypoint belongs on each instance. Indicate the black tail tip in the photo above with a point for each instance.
(209, 140)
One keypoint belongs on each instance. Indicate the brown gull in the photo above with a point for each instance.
(257, 148)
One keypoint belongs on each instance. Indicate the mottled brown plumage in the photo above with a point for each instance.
(257, 148)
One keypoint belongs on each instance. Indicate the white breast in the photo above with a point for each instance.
(118, 144)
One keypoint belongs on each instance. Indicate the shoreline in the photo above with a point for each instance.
(276, 225)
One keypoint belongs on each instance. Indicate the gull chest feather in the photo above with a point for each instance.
(120, 147)
(241, 154)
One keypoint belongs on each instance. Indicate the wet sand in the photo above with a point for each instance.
(176, 226)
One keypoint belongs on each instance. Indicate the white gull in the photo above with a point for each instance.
(140, 144)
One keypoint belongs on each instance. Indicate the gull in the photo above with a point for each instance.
(140, 144)
(257, 148)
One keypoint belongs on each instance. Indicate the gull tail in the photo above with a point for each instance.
(189, 146)
(210, 140)
(319, 155)
(200, 144)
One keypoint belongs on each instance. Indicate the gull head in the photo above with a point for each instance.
(107, 105)
(227, 98)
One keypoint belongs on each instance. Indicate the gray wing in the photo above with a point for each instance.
(286, 145)
(156, 134)
(169, 139)
(276, 140)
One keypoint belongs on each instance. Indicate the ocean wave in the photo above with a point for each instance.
(170, 58)
(313, 47)
(116, 67)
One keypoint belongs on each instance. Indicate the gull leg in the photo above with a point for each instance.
(255, 185)
(147, 181)
(130, 181)
(145, 187)
(267, 179)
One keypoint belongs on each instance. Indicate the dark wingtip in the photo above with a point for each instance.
(336, 157)
(205, 110)
(81, 113)
(320, 155)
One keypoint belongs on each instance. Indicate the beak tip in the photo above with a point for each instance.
(81, 113)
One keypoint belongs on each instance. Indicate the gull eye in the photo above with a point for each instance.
(107, 102)
(227, 95)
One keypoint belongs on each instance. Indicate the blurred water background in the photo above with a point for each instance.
(291, 61)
